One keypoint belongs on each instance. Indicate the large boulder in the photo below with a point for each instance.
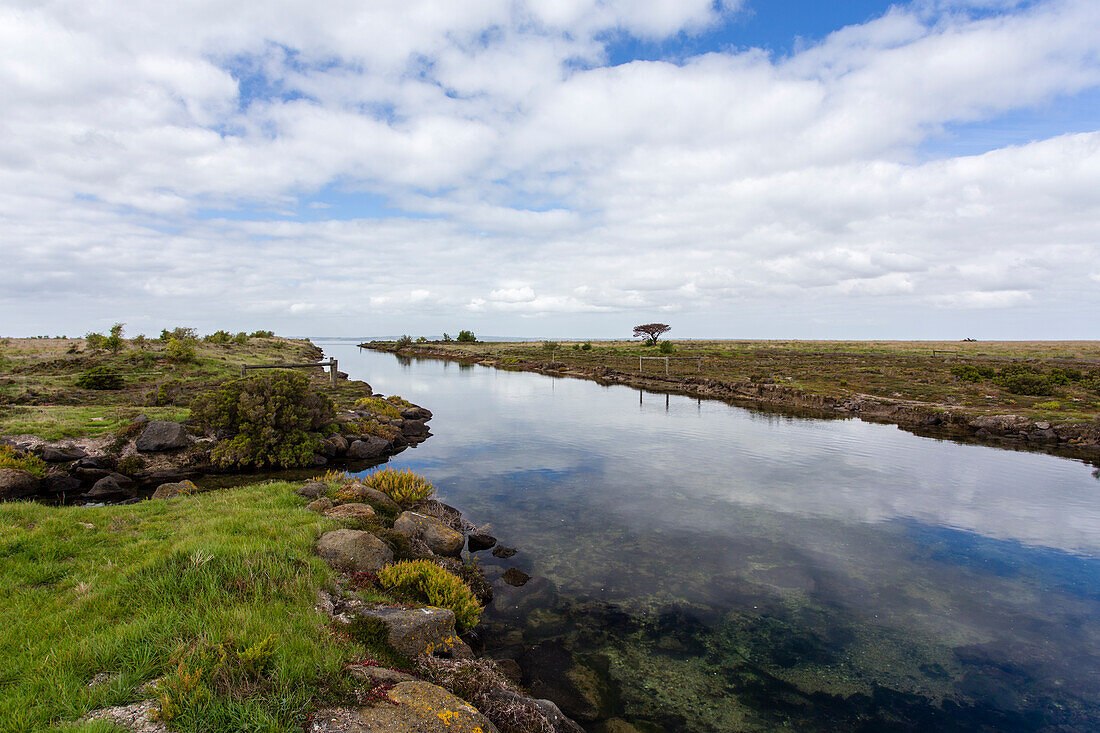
(354, 550)
(417, 631)
(440, 539)
(368, 448)
(161, 435)
(351, 511)
(16, 484)
(313, 490)
(60, 483)
(109, 488)
(411, 707)
(414, 428)
(60, 453)
(320, 505)
(171, 490)
(479, 541)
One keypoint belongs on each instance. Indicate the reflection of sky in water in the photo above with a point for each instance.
(646, 460)
(940, 567)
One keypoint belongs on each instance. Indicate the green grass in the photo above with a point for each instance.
(143, 591)
(56, 422)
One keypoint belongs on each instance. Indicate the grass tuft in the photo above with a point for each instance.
(401, 485)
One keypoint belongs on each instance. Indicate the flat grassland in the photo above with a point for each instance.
(1050, 380)
(39, 393)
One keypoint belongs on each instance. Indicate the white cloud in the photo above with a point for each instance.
(550, 184)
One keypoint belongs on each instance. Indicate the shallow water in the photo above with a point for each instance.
(703, 567)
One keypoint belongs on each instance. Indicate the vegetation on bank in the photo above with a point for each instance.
(213, 593)
(1048, 380)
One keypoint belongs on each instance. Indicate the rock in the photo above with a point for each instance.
(417, 631)
(320, 505)
(371, 447)
(1039, 425)
(16, 484)
(414, 428)
(378, 500)
(338, 443)
(510, 669)
(551, 712)
(381, 675)
(351, 511)
(60, 453)
(170, 490)
(161, 435)
(503, 552)
(354, 550)
(109, 488)
(440, 539)
(515, 577)
(90, 474)
(313, 490)
(60, 483)
(89, 462)
(413, 707)
(480, 541)
(319, 460)
(140, 717)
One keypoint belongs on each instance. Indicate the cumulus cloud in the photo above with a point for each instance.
(213, 159)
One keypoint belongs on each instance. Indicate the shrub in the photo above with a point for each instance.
(11, 458)
(1065, 375)
(447, 336)
(369, 426)
(403, 486)
(240, 338)
(551, 345)
(262, 334)
(466, 337)
(399, 401)
(405, 340)
(378, 406)
(228, 669)
(181, 351)
(100, 377)
(1028, 383)
(967, 372)
(131, 464)
(140, 341)
(179, 332)
(1052, 405)
(114, 342)
(166, 393)
(218, 337)
(95, 341)
(265, 420)
(666, 347)
(586, 346)
(421, 339)
(432, 584)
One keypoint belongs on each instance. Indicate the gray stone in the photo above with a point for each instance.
(417, 631)
(161, 435)
(480, 541)
(351, 511)
(60, 453)
(60, 483)
(503, 552)
(320, 505)
(380, 675)
(109, 488)
(171, 490)
(413, 707)
(313, 490)
(354, 550)
(378, 500)
(16, 484)
(414, 428)
(440, 539)
(371, 447)
(515, 577)
(547, 709)
(140, 717)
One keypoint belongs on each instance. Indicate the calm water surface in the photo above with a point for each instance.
(703, 567)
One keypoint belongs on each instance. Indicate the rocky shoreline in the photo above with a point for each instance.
(149, 453)
(1070, 439)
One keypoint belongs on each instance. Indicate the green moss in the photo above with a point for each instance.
(10, 458)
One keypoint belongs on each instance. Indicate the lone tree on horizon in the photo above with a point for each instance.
(651, 331)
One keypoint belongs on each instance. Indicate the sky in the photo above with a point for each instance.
(552, 168)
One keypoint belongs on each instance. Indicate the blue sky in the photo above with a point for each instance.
(570, 168)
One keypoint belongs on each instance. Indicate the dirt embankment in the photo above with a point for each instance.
(1074, 439)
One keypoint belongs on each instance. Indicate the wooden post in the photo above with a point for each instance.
(666, 366)
(639, 365)
(332, 371)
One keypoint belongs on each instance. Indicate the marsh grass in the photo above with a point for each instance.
(213, 592)
(401, 485)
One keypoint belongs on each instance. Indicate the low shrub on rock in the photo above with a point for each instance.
(378, 406)
(11, 458)
(428, 582)
(269, 420)
(403, 486)
(100, 377)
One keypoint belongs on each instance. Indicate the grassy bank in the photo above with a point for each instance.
(215, 591)
(39, 392)
(1060, 382)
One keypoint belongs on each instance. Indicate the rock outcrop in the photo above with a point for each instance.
(353, 550)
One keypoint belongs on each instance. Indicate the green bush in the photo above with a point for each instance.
(179, 332)
(551, 345)
(404, 341)
(1027, 383)
(100, 377)
(262, 334)
(467, 337)
(586, 346)
(403, 486)
(220, 337)
(95, 341)
(421, 339)
(266, 420)
(181, 351)
(378, 406)
(447, 337)
(11, 458)
(140, 341)
(666, 347)
(432, 584)
(240, 338)
(115, 342)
